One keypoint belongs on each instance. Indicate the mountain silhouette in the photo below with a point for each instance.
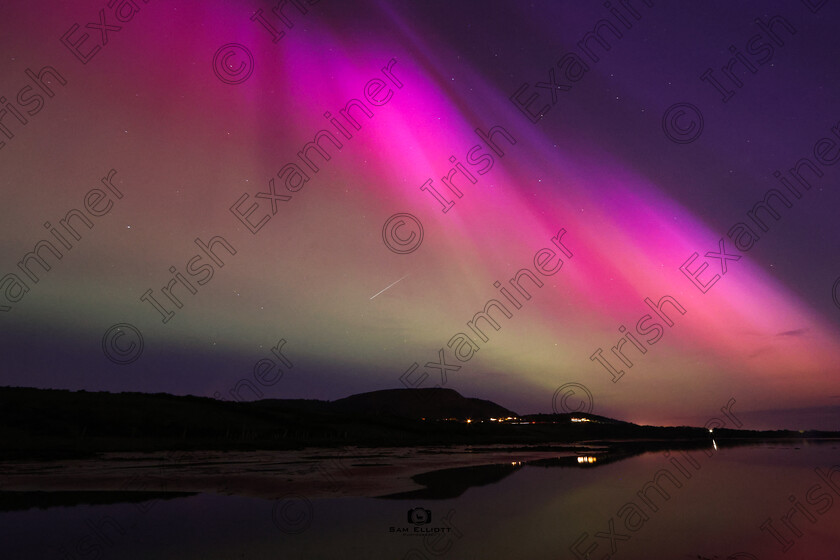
(435, 404)
(53, 423)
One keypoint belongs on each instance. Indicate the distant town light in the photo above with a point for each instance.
(587, 459)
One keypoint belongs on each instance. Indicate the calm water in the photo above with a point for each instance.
(533, 513)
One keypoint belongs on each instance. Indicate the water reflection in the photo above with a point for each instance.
(451, 483)
(549, 506)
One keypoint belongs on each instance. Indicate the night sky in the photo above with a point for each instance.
(581, 151)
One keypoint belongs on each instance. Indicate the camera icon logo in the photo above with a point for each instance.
(419, 516)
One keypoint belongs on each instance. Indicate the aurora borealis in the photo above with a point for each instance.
(496, 126)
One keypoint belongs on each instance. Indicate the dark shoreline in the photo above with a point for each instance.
(387, 472)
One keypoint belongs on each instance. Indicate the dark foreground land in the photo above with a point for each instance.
(58, 424)
(66, 448)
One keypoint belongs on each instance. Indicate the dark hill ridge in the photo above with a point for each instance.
(59, 423)
(414, 404)
(431, 404)
(51, 423)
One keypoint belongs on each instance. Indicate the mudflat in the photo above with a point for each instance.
(310, 472)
